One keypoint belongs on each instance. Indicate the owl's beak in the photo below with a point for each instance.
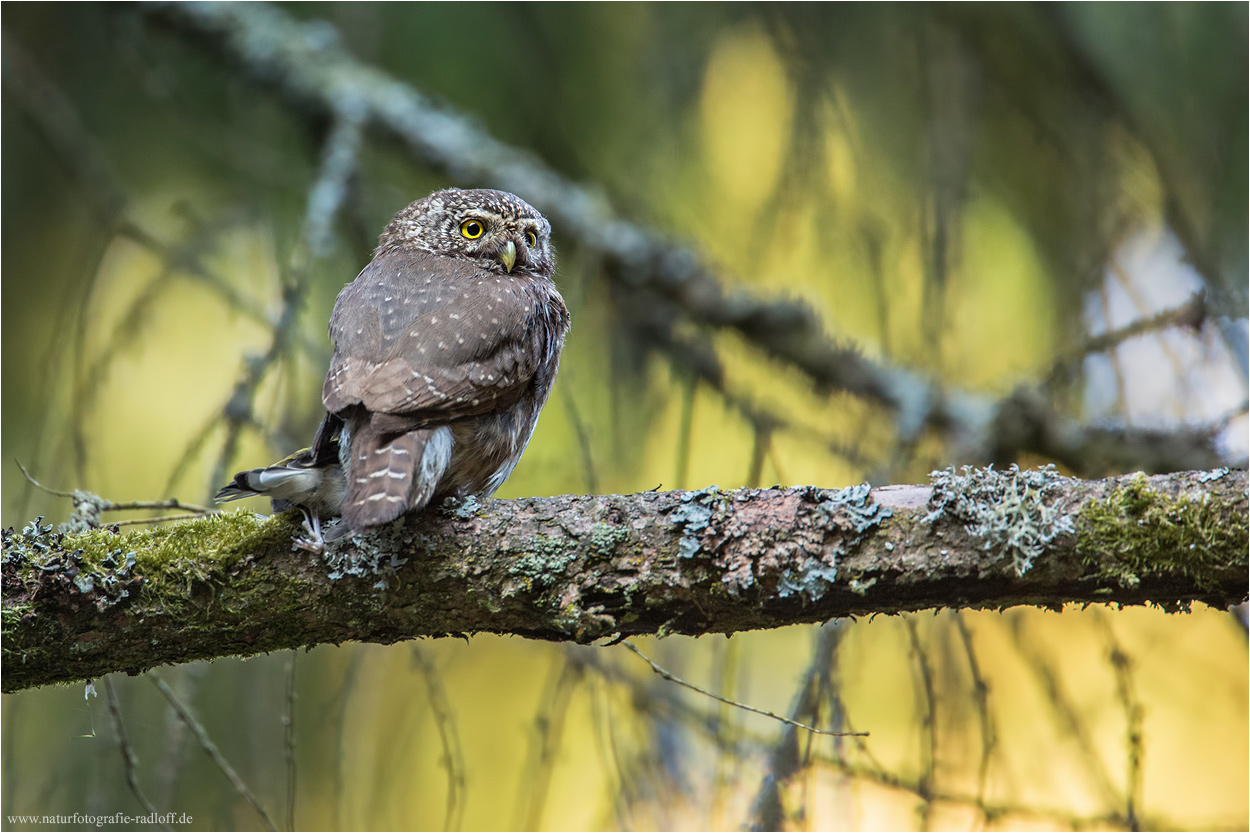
(508, 255)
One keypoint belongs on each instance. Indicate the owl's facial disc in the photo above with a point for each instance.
(496, 230)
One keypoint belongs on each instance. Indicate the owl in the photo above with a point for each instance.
(445, 350)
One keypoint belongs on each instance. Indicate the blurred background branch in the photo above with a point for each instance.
(305, 64)
(802, 244)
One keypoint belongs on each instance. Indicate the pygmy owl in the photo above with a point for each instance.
(445, 350)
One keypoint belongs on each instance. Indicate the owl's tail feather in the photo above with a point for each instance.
(393, 473)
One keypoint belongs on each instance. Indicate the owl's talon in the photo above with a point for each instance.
(314, 542)
(311, 545)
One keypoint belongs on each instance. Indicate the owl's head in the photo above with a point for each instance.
(498, 231)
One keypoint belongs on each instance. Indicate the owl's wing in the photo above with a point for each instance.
(429, 339)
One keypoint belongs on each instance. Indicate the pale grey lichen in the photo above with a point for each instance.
(465, 508)
(605, 537)
(851, 512)
(810, 582)
(1214, 474)
(87, 513)
(545, 561)
(371, 559)
(694, 517)
(1011, 511)
(853, 508)
(804, 559)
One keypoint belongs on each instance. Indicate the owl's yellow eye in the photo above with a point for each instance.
(531, 239)
(472, 229)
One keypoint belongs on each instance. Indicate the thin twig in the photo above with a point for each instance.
(786, 761)
(288, 723)
(688, 390)
(339, 160)
(188, 681)
(583, 437)
(162, 519)
(638, 259)
(1122, 663)
(449, 737)
(1064, 710)
(980, 693)
(212, 751)
(172, 503)
(130, 761)
(356, 657)
(673, 679)
(1139, 300)
(609, 756)
(550, 728)
(106, 505)
(662, 705)
(928, 772)
(1192, 313)
(39, 485)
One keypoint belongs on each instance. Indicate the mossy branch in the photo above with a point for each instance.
(79, 606)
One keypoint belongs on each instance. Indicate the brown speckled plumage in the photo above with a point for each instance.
(445, 350)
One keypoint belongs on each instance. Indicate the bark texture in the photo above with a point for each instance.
(79, 606)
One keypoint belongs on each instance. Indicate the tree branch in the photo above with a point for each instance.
(306, 66)
(79, 606)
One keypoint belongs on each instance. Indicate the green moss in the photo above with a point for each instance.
(11, 615)
(1137, 530)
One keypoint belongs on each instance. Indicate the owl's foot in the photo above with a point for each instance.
(314, 542)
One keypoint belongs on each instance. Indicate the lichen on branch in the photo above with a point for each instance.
(584, 568)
